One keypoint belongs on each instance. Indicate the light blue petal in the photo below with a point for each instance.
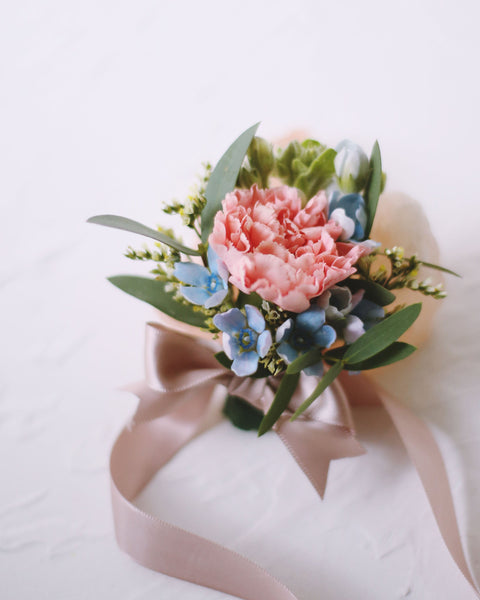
(195, 295)
(316, 370)
(353, 329)
(334, 201)
(245, 364)
(311, 320)
(216, 298)
(288, 353)
(231, 321)
(216, 265)
(325, 337)
(191, 273)
(284, 331)
(264, 342)
(255, 318)
(231, 346)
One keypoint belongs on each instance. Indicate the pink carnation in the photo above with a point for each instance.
(285, 253)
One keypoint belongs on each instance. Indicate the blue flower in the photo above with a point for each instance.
(207, 287)
(245, 338)
(365, 315)
(298, 336)
(350, 213)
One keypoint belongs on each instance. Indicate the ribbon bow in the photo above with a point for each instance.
(175, 397)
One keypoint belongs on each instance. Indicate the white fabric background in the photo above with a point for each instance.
(110, 106)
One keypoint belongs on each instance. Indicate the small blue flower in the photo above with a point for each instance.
(207, 287)
(298, 336)
(245, 338)
(350, 213)
(365, 315)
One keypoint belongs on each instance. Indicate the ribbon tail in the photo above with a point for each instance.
(314, 444)
(140, 450)
(425, 455)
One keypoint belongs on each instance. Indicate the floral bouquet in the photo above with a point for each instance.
(283, 269)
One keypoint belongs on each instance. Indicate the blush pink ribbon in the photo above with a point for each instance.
(181, 375)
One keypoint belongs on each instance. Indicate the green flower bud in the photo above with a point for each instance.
(351, 167)
(260, 157)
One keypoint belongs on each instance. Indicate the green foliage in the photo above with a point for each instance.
(391, 354)
(190, 209)
(308, 359)
(242, 414)
(373, 291)
(157, 294)
(374, 187)
(401, 273)
(258, 164)
(325, 381)
(133, 226)
(280, 402)
(223, 178)
(382, 335)
(308, 166)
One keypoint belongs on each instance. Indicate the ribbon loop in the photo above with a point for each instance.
(181, 375)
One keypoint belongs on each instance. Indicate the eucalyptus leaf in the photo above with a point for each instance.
(374, 187)
(382, 335)
(312, 357)
(373, 291)
(325, 381)
(391, 354)
(223, 178)
(129, 225)
(153, 292)
(438, 268)
(282, 398)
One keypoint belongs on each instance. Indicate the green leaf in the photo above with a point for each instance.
(312, 357)
(318, 173)
(374, 187)
(282, 398)
(223, 359)
(129, 225)
(438, 268)
(391, 354)
(373, 291)
(334, 355)
(325, 381)
(223, 178)
(153, 292)
(242, 414)
(382, 335)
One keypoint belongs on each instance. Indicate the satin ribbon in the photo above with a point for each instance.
(181, 375)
